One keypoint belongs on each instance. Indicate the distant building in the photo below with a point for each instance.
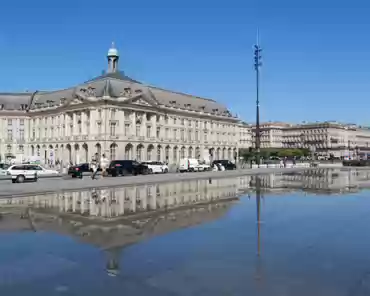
(324, 138)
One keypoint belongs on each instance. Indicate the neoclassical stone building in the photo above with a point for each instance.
(323, 138)
(118, 116)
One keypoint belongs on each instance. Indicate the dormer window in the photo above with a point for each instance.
(202, 108)
(1, 106)
(127, 92)
(172, 103)
(215, 110)
(187, 105)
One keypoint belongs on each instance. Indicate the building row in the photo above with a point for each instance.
(127, 119)
(322, 138)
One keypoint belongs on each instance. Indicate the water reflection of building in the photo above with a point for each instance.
(317, 180)
(116, 202)
(114, 218)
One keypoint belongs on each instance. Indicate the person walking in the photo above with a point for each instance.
(104, 162)
(94, 166)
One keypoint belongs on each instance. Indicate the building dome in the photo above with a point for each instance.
(113, 52)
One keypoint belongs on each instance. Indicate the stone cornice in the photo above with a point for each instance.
(161, 109)
(14, 113)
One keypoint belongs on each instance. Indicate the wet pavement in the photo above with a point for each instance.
(305, 233)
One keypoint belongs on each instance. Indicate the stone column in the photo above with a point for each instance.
(133, 124)
(154, 126)
(75, 125)
(143, 126)
(83, 123)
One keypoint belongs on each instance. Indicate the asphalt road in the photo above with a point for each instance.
(49, 185)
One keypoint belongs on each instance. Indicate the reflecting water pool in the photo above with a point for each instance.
(286, 234)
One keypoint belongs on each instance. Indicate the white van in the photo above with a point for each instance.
(191, 165)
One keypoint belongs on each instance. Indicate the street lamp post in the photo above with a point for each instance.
(257, 66)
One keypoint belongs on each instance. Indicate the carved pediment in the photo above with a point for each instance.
(88, 91)
(141, 102)
(75, 101)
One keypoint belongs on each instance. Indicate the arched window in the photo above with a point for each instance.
(113, 151)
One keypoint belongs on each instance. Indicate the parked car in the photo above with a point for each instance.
(79, 169)
(41, 171)
(3, 168)
(156, 167)
(23, 172)
(227, 164)
(127, 167)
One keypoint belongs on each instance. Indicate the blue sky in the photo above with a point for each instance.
(316, 53)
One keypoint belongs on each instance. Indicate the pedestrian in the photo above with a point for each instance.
(94, 166)
(104, 162)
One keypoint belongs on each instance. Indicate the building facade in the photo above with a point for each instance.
(271, 134)
(118, 116)
(322, 138)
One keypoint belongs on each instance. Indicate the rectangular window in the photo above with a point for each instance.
(21, 121)
(99, 129)
(182, 121)
(21, 134)
(166, 133)
(175, 134)
(205, 137)
(149, 131)
(10, 135)
(113, 114)
(196, 136)
(138, 130)
(127, 115)
(158, 132)
(189, 135)
(127, 129)
(10, 121)
(33, 133)
(182, 135)
(112, 129)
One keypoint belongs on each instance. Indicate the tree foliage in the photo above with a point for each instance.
(266, 153)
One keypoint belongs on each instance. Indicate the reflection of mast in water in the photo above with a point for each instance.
(258, 270)
(258, 204)
(112, 266)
